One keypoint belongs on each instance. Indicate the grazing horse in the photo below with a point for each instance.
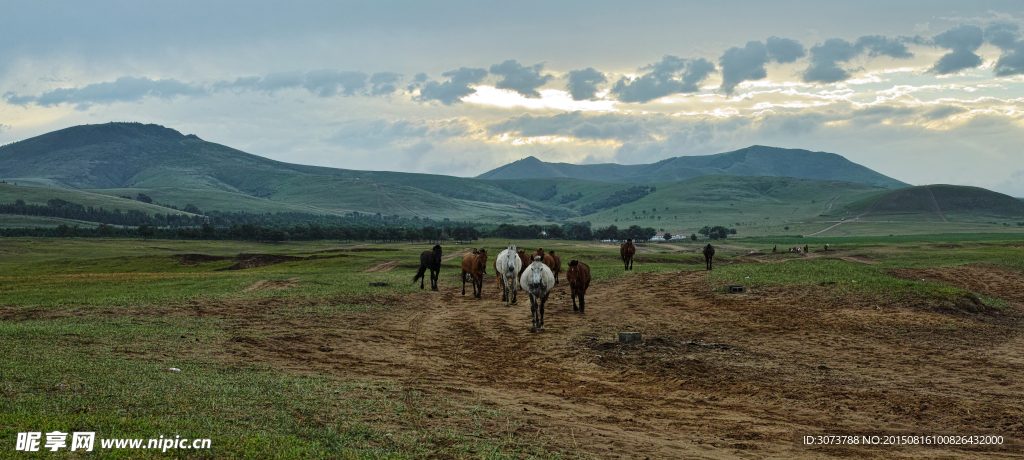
(473, 266)
(776, 249)
(826, 248)
(508, 266)
(537, 280)
(579, 280)
(806, 250)
(430, 259)
(627, 250)
(709, 253)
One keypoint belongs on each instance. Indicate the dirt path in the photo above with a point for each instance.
(716, 376)
(384, 267)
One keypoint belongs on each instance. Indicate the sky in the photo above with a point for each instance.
(927, 92)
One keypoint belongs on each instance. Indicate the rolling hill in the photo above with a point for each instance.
(752, 161)
(95, 165)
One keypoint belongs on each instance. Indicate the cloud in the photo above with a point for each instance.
(825, 59)
(879, 45)
(963, 40)
(523, 80)
(670, 76)
(327, 83)
(453, 90)
(582, 84)
(384, 83)
(748, 63)
(124, 89)
(379, 134)
(784, 50)
(1004, 36)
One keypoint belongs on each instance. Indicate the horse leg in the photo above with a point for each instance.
(434, 275)
(463, 282)
(574, 299)
(533, 312)
(582, 305)
(543, 300)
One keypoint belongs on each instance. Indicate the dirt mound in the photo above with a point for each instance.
(195, 259)
(990, 280)
(263, 285)
(260, 260)
(383, 267)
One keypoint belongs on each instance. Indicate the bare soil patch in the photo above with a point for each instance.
(716, 376)
(263, 285)
(195, 259)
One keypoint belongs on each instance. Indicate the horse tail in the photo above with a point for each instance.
(419, 274)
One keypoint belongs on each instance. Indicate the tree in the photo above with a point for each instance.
(668, 236)
(693, 237)
(146, 231)
(144, 198)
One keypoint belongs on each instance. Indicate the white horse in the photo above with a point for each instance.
(508, 265)
(538, 280)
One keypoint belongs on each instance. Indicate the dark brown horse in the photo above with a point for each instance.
(473, 266)
(430, 260)
(579, 280)
(627, 250)
(709, 253)
(551, 260)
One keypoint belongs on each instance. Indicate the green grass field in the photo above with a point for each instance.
(91, 327)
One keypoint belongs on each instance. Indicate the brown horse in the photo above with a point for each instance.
(551, 260)
(579, 280)
(430, 260)
(525, 259)
(709, 253)
(627, 250)
(473, 266)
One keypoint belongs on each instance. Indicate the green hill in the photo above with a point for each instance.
(176, 169)
(752, 161)
(934, 203)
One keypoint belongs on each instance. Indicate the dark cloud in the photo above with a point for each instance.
(943, 112)
(327, 83)
(963, 40)
(784, 50)
(384, 83)
(583, 83)
(748, 63)
(14, 99)
(1011, 62)
(670, 76)
(453, 90)
(124, 89)
(825, 59)
(879, 45)
(1005, 36)
(742, 64)
(1002, 35)
(523, 80)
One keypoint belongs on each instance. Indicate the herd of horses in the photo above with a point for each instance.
(535, 273)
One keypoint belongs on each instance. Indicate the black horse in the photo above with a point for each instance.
(709, 253)
(430, 259)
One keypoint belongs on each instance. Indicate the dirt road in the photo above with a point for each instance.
(716, 376)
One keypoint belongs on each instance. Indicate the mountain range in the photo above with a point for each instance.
(756, 160)
(768, 189)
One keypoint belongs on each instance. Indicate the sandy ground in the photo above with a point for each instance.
(716, 375)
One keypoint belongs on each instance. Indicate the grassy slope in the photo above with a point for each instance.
(110, 201)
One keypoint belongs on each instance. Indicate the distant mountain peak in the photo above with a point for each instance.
(756, 160)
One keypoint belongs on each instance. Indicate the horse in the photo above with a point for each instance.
(551, 260)
(709, 253)
(775, 249)
(537, 280)
(578, 276)
(473, 269)
(807, 250)
(508, 267)
(626, 251)
(525, 259)
(826, 248)
(429, 259)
